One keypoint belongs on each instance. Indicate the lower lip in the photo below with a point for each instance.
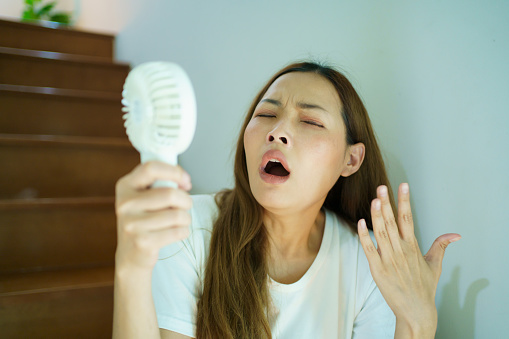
(273, 179)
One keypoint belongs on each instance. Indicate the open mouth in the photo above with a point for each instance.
(274, 167)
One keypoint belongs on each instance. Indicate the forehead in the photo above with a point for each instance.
(305, 86)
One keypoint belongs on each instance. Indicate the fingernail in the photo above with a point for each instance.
(383, 191)
(362, 224)
(404, 188)
(186, 179)
(455, 239)
(378, 204)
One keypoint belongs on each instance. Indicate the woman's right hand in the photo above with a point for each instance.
(150, 218)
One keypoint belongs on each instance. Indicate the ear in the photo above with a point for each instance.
(353, 159)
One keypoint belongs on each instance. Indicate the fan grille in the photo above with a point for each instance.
(160, 107)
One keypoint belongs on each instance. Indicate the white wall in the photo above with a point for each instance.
(92, 15)
(11, 8)
(434, 77)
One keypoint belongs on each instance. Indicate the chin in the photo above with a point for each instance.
(273, 198)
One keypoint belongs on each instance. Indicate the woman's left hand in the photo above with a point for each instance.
(407, 279)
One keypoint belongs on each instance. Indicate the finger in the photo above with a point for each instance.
(388, 216)
(436, 253)
(162, 198)
(155, 221)
(153, 241)
(155, 199)
(368, 246)
(381, 235)
(405, 219)
(144, 175)
(168, 236)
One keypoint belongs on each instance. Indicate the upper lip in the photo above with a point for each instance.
(277, 155)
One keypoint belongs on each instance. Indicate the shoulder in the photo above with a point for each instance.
(349, 242)
(353, 259)
(372, 314)
(346, 238)
(203, 214)
(204, 201)
(177, 277)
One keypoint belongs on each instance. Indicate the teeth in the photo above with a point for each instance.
(274, 160)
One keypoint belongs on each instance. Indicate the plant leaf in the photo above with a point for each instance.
(46, 9)
(61, 17)
(29, 15)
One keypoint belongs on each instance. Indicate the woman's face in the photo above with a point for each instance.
(295, 143)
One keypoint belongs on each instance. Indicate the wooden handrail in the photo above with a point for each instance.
(55, 280)
(61, 56)
(12, 204)
(48, 25)
(71, 93)
(26, 139)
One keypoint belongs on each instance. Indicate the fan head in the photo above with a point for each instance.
(160, 109)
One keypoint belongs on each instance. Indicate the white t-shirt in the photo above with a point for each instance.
(336, 297)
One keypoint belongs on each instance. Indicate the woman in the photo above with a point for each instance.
(278, 256)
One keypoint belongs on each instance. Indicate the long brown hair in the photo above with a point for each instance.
(236, 300)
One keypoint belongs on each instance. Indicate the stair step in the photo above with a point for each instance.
(42, 234)
(53, 111)
(50, 69)
(55, 280)
(76, 303)
(17, 34)
(45, 166)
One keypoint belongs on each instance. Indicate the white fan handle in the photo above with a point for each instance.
(167, 158)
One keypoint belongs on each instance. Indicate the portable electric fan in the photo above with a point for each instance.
(160, 108)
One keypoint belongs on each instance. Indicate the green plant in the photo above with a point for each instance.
(37, 10)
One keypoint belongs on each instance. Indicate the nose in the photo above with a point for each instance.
(284, 140)
(279, 135)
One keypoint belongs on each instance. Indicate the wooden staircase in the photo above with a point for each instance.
(62, 148)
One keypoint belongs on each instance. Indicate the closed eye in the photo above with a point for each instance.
(309, 122)
(314, 123)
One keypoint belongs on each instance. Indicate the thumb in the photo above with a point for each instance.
(436, 253)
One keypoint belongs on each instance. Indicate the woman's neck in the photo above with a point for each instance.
(294, 234)
(294, 242)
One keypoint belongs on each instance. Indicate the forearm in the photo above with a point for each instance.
(134, 313)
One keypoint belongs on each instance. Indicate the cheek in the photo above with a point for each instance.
(253, 134)
(248, 136)
(250, 140)
(329, 153)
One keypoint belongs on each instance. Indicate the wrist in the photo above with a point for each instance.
(129, 266)
(418, 327)
(131, 273)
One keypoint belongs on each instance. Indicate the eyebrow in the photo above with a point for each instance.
(303, 105)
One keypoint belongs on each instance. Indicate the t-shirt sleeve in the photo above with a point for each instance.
(375, 319)
(177, 275)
